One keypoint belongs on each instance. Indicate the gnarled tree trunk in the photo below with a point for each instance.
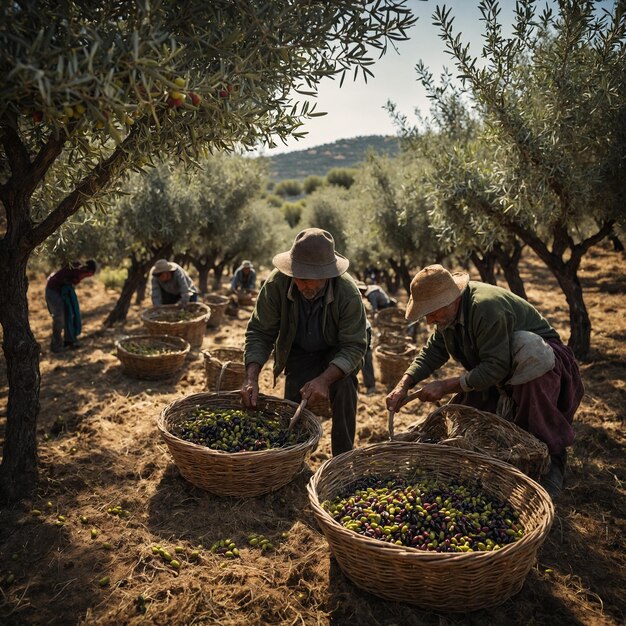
(18, 471)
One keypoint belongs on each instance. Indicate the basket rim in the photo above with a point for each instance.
(183, 344)
(412, 553)
(312, 440)
(145, 315)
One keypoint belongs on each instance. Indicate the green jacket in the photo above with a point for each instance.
(480, 338)
(274, 323)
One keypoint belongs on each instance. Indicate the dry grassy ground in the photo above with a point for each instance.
(108, 453)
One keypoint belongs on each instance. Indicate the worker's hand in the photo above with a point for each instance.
(249, 393)
(250, 388)
(316, 390)
(434, 391)
(396, 396)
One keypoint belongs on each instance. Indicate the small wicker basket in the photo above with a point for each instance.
(224, 369)
(454, 582)
(155, 319)
(469, 428)
(391, 317)
(246, 298)
(393, 362)
(152, 366)
(218, 306)
(238, 473)
(321, 408)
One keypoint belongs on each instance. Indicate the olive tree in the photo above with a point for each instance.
(221, 230)
(400, 215)
(553, 99)
(152, 219)
(91, 90)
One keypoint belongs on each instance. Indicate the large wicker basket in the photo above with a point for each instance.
(218, 306)
(152, 366)
(224, 369)
(155, 319)
(238, 473)
(466, 427)
(393, 362)
(455, 582)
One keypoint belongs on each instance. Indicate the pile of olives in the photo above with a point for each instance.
(426, 514)
(236, 430)
(147, 349)
(176, 315)
(226, 547)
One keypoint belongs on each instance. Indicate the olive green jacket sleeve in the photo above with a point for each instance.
(482, 337)
(274, 322)
(429, 359)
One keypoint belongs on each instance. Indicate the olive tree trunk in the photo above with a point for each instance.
(137, 273)
(18, 471)
(485, 265)
(509, 262)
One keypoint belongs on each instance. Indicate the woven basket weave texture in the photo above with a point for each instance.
(455, 582)
(218, 306)
(154, 366)
(484, 432)
(155, 321)
(224, 369)
(240, 473)
(392, 362)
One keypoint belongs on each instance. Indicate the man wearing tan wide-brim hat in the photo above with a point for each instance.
(515, 363)
(309, 312)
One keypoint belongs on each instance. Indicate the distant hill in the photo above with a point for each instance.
(317, 161)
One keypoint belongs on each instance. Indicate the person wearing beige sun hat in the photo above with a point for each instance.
(170, 284)
(310, 314)
(515, 363)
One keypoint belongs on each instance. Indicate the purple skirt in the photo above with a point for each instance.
(545, 406)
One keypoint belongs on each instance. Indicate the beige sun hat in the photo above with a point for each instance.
(312, 256)
(433, 288)
(163, 265)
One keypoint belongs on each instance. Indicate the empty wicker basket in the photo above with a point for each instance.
(466, 427)
(163, 320)
(224, 369)
(393, 361)
(238, 473)
(218, 306)
(151, 366)
(455, 582)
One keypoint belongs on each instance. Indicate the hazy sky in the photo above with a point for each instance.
(357, 108)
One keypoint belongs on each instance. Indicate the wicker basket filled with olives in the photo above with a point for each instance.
(223, 448)
(442, 528)
(151, 357)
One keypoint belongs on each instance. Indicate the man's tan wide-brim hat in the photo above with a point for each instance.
(433, 288)
(312, 256)
(163, 265)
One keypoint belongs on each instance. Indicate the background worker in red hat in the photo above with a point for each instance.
(310, 312)
(170, 284)
(516, 365)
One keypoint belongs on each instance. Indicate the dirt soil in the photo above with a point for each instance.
(99, 449)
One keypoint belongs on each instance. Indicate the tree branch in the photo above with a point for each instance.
(15, 151)
(85, 190)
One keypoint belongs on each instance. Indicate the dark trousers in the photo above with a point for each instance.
(173, 298)
(57, 310)
(303, 367)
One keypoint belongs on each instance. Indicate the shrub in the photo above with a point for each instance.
(113, 278)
